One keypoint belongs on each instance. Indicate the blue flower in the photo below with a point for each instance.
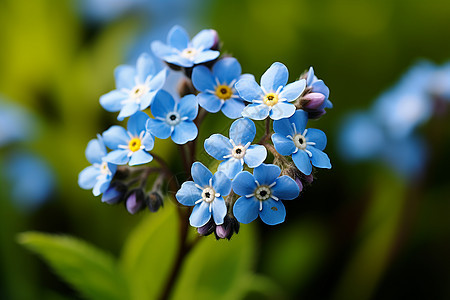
(273, 96)
(174, 118)
(206, 193)
(305, 145)
(318, 86)
(237, 149)
(16, 124)
(99, 175)
(135, 87)
(261, 194)
(130, 146)
(217, 87)
(182, 52)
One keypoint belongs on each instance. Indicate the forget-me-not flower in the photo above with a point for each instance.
(182, 52)
(237, 149)
(217, 87)
(206, 193)
(135, 87)
(129, 146)
(261, 194)
(174, 118)
(273, 96)
(318, 86)
(305, 145)
(98, 176)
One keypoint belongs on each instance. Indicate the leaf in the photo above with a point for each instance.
(150, 251)
(89, 270)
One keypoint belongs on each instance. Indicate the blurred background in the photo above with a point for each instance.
(365, 229)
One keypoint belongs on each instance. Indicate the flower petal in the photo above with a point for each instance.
(283, 127)
(232, 108)
(118, 157)
(161, 50)
(293, 90)
(146, 100)
(158, 80)
(210, 102)
(100, 187)
(115, 136)
(159, 128)
(178, 60)
(221, 183)
(282, 110)
(227, 69)
(310, 76)
(230, 167)
(205, 39)
(246, 210)
(140, 157)
(88, 177)
(276, 76)
(148, 141)
(188, 194)
(285, 188)
(136, 123)
(299, 118)
(244, 184)
(302, 162)
(319, 159)
(188, 107)
(144, 67)
(218, 146)
(249, 90)
(162, 104)
(256, 111)
(178, 38)
(124, 76)
(283, 145)
(112, 101)
(205, 56)
(95, 151)
(201, 174)
(273, 212)
(255, 155)
(242, 131)
(219, 210)
(184, 132)
(200, 214)
(266, 173)
(128, 110)
(202, 79)
(317, 136)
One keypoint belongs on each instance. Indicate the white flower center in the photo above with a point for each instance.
(173, 118)
(208, 195)
(189, 53)
(104, 168)
(138, 91)
(263, 192)
(238, 151)
(299, 141)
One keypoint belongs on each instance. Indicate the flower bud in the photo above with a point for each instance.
(207, 229)
(299, 183)
(228, 228)
(316, 114)
(313, 101)
(216, 44)
(154, 201)
(115, 192)
(135, 201)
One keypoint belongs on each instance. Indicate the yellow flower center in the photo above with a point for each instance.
(189, 53)
(270, 99)
(135, 144)
(224, 92)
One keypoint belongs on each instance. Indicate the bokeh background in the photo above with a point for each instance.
(360, 231)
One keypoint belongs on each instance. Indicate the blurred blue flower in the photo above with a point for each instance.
(136, 87)
(217, 87)
(273, 96)
(98, 176)
(130, 146)
(182, 52)
(15, 124)
(206, 193)
(107, 10)
(174, 118)
(305, 145)
(261, 194)
(237, 149)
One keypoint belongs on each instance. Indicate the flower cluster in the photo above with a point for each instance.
(254, 175)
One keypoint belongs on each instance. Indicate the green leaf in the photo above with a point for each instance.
(150, 251)
(89, 270)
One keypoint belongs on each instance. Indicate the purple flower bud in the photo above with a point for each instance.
(313, 101)
(115, 192)
(308, 178)
(135, 201)
(299, 183)
(207, 229)
(154, 201)
(229, 227)
(222, 231)
(316, 114)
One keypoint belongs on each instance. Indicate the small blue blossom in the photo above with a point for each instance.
(318, 86)
(174, 118)
(305, 145)
(135, 87)
(261, 194)
(182, 52)
(98, 176)
(206, 193)
(16, 124)
(273, 96)
(217, 87)
(130, 146)
(237, 149)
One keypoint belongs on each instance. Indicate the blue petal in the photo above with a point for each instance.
(100, 187)
(317, 136)
(128, 110)
(188, 107)
(320, 87)
(205, 39)
(227, 69)
(161, 50)
(302, 162)
(188, 194)
(112, 101)
(115, 136)
(178, 38)
(276, 76)
(246, 210)
(310, 76)
(162, 105)
(299, 118)
(140, 157)
(146, 100)
(283, 145)
(124, 76)
(218, 146)
(256, 111)
(178, 60)
(282, 110)
(319, 159)
(242, 131)
(244, 184)
(230, 167)
(285, 188)
(210, 102)
(148, 141)
(118, 157)
(283, 127)
(293, 90)
(219, 210)
(202, 79)
(221, 183)
(232, 108)
(159, 128)
(200, 215)
(136, 123)
(205, 56)
(255, 155)
(201, 174)
(158, 81)
(88, 177)
(273, 212)
(247, 77)
(95, 151)
(266, 174)
(249, 90)
(184, 132)
(144, 67)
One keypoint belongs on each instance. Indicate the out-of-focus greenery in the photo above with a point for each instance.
(356, 233)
